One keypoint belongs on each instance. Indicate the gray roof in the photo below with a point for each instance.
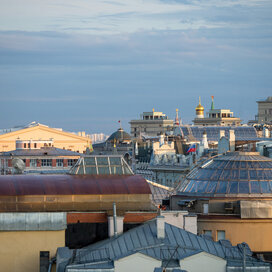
(177, 244)
(48, 151)
(245, 173)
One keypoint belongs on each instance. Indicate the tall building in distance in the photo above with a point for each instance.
(265, 111)
(151, 124)
(215, 117)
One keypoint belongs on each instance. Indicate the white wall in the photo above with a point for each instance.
(136, 263)
(203, 262)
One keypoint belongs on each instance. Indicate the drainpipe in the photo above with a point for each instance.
(114, 220)
(51, 263)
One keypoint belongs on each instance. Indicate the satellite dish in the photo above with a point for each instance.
(18, 166)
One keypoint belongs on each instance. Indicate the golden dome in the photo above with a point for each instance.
(199, 107)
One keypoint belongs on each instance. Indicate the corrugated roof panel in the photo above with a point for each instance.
(72, 185)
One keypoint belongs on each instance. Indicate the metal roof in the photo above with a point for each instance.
(159, 192)
(243, 132)
(177, 244)
(15, 185)
(245, 173)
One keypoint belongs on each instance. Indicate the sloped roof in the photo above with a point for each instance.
(16, 185)
(243, 173)
(177, 244)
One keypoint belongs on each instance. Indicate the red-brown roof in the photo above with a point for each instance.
(17, 185)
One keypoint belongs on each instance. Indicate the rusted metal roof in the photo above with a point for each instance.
(18, 185)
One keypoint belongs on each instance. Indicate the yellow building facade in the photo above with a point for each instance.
(61, 139)
(20, 250)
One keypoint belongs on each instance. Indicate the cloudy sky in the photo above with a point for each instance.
(84, 65)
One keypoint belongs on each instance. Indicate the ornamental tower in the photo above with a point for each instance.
(199, 110)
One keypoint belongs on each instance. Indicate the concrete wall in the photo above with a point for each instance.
(20, 250)
(136, 263)
(203, 262)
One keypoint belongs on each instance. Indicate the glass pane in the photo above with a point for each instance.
(243, 174)
(90, 170)
(253, 174)
(104, 170)
(115, 160)
(234, 174)
(194, 187)
(211, 187)
(255, 187)
(189, 186)
(233, 187)
(205, 173)
(236, 164)
(268, 175)
(243, 188)
(80, 171)
(116, 170)
(102, 161)
(89, 161)
(243, 164)
(265, 187)
(222, 188)
(225, 175)
(202, 186)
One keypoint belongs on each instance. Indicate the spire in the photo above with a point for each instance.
(212, 106)
(177, 119)
(199, 100)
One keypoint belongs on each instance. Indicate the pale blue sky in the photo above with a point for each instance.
(84, 65)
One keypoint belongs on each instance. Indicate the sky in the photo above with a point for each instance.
(83, 65)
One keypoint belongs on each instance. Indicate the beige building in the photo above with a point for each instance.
(62, 139)
(215, 117)
(151, 124)
(265, 111)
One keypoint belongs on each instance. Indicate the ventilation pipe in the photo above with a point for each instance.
(114, 220)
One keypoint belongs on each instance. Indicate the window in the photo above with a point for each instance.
(221, 235)
(28, 145)
(207, 232)
(205, 208)
(71, 162)
(60, 162)
(35, 145)
(24, 145)
(46, 162)
(33, 163)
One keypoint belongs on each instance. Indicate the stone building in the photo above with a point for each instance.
(265, 111)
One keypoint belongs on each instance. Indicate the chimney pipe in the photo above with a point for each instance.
(160, 227)
(114, 220)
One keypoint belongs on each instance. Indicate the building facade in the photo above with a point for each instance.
(215, 117)
(63, 140)
(151, 124)
(265, 111)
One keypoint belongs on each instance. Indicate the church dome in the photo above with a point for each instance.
(199, 107)
(236, 174)
(119, 136)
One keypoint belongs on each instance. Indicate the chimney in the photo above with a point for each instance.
(221, 134)
(160, 227)
(232, 140)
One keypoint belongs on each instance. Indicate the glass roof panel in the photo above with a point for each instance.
(116, 170)
(244, 174)
(189, 186)
(243, 187)
(265, 187)
(222, 188)
(243, 164)
(104, 170)
(267, 175)
(91, 170)
(255, 187)
(225, 175)
(202, 186)
(253, 174)
(89, 161)
(102, 160)
(115, 160)
(211, 187)
(233, 187)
